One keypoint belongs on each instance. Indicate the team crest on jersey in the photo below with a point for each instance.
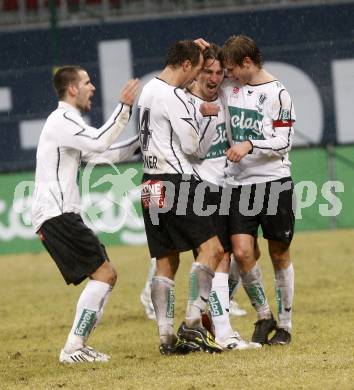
(262, 98)
(285, 114)
(235, 90)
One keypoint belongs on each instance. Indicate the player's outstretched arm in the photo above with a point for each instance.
(118, 152)
(81, 136)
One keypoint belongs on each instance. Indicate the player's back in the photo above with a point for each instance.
(167, 133)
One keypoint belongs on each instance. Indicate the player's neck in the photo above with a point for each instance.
(71, 101)
(261, 76)
(171, 77)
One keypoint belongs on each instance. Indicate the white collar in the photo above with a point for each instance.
(68, 106)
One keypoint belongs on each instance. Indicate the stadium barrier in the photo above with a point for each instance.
(111, 199)
(316, 65)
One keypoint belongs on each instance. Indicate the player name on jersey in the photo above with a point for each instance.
(150, 162)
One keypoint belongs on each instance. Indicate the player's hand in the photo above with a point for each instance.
(129, 92)
(202, 43)
(207, 109)
(238, 151)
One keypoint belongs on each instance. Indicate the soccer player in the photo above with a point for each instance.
(170, 135)
(261, 117)
(65, 141)
(211, 171)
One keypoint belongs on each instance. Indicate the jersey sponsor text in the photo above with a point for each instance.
(246, 124)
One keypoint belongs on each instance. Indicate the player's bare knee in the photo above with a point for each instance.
(211, 253)
(280, 261)
(280, 254)
(224, 264)
(243, 255)
(257, 251)
(113, 277)
(219, 253)
(105, 273)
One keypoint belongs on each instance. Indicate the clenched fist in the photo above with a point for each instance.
(129, 92)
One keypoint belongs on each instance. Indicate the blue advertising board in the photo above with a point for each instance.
(310, 49)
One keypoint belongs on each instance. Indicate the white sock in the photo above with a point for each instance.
(253, 285)
(163, 299)
(219, 305)
(200, 281)
(151, 273)
(89, 304)
(100, 313)
(284, 294)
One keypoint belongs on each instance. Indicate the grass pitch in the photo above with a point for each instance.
(37, 310)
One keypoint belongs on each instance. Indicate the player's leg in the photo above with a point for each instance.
(79, 254)
(244, 220)
(234, 281)
(219, 302)
(284, 290)
(145, 296)
(163, 299)
(201, 275)
(107, 273)
(278, 229)
(244, 250)
(89, 311)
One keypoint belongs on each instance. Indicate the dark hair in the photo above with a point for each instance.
(236, 48)
(213, 52)
(64, 76)
(181, 51)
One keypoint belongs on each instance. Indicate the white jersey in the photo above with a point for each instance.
(65, 141)
(169, 131)
(262, 114)
(212, 167)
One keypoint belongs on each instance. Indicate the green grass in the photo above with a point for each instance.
(37, 309)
